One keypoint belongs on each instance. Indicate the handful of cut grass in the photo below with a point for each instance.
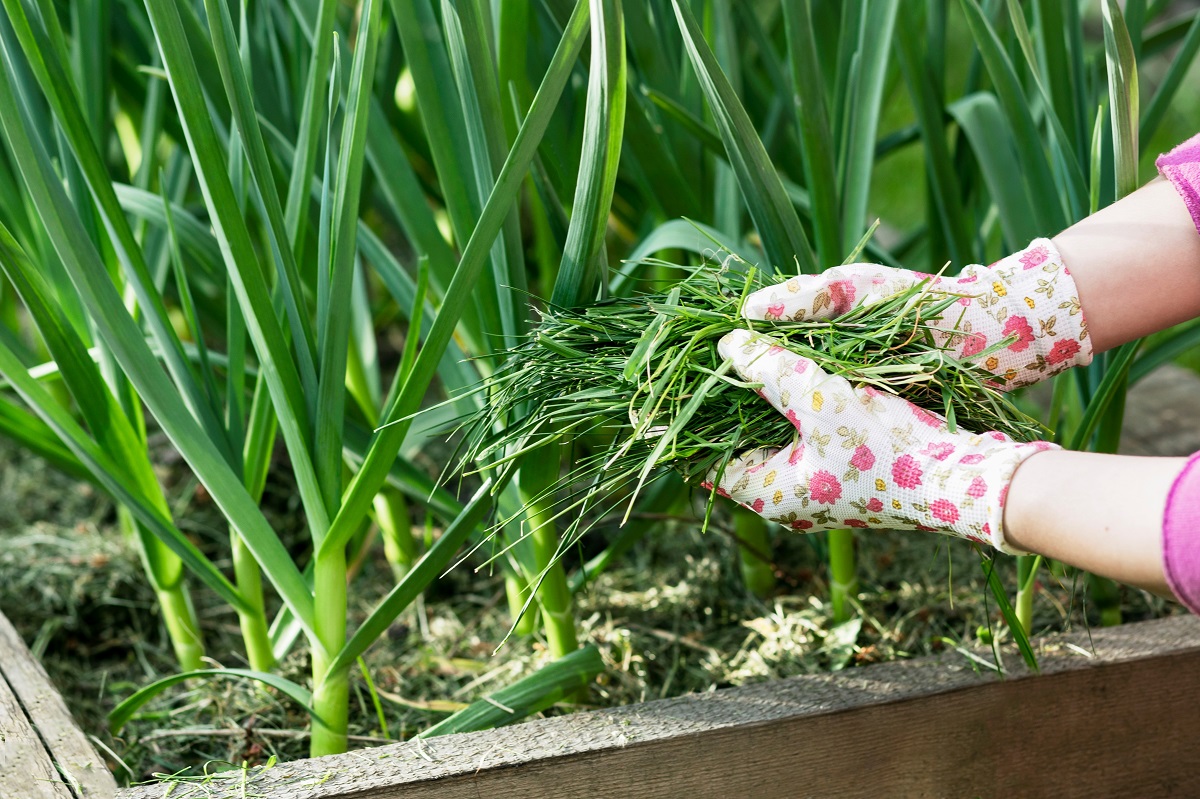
(640, 381)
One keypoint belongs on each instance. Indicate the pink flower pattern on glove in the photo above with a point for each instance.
(864, 458)
(1028, 300)
(1062, 351)
(1018, 326)
(906, 472)
(824, 487)
(943, 510)
(841, 295)
(973, 344)
(938, 450)
(1034, 256)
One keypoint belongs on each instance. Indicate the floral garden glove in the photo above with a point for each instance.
(1030, 295)
(863, 458)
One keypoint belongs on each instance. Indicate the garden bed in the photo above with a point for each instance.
(934, 726)
(671, 620)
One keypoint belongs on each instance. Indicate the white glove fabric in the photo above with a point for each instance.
(864, 458)
(1030, 295)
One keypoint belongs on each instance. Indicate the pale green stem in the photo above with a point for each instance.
(1024, 609)
(253, 621)
(1106, 596)
(164, 570)
(1026, 581)
(259, 442)
(514, 590)
(1026, 574)
(331, 691)
(391, 511)
(395, 525)
(180, 618)
(843, 577)
(554, 596)
(754, 552)
(539, 471)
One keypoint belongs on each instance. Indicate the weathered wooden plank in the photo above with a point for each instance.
(67, 744)
(1116, 723)
(26, 771)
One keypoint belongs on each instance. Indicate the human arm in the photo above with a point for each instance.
(1135, 268)
(1133, 519)
(1136, 265)
(862, 458)
(1127, 271)
(1101, 513)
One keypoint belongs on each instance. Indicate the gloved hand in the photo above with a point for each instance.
(1030, 295)
(863, 458)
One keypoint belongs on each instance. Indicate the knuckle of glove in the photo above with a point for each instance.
(736, 481)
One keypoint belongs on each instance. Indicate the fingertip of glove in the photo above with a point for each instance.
(780, 301)
(733, 342)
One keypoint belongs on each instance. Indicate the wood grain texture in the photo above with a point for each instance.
(1116, 721)
(26, 771)
(56, 729)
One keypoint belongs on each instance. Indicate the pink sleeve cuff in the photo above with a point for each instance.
(1181, 536)
(1181, 166)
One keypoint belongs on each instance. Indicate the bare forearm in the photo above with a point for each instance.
(1102, 513)
(1136, 264)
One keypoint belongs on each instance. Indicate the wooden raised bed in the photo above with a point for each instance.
(43, 754)
(1119, 722)
(1111, 714)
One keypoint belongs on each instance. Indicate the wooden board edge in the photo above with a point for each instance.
(401, 769)
(68, 745)
(26, 770)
